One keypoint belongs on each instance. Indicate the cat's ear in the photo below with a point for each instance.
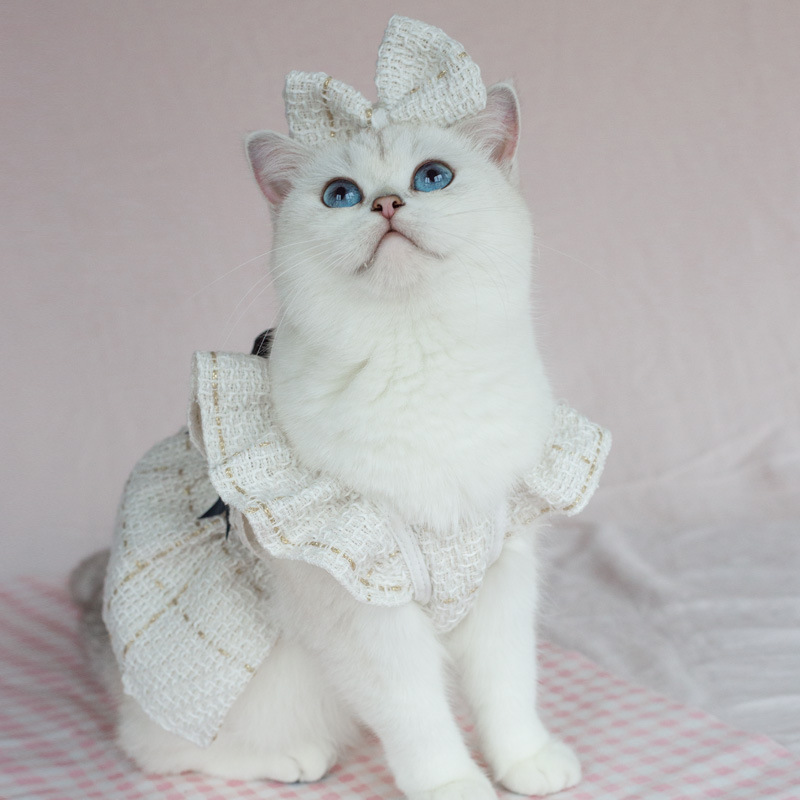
(496, 128)
(275, 159)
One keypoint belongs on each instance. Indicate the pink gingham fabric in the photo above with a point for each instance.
(56, 732)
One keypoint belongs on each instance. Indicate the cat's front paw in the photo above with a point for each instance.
(305, 763)
(554, 768)
(478, 788)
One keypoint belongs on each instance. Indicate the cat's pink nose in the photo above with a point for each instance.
(387, 205)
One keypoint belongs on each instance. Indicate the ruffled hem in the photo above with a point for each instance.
(294, 514)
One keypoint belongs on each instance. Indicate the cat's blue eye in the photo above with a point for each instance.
(341, 193)
(432, 175)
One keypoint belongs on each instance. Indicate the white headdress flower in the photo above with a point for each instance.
(422, 76)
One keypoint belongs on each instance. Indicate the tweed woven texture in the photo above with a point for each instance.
(189, 611)
(290, 512)
(422, 76)
(456, 562)
(569, 471)
(287, 512)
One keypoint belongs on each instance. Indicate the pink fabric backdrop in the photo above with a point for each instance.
(661, 157)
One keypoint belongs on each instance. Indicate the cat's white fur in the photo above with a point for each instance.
(407, 367)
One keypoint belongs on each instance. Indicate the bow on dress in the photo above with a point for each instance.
(422, 76)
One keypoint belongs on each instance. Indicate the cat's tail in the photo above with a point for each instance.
(86, 580)
(86, 588)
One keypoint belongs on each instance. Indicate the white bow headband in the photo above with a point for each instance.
(422, 76)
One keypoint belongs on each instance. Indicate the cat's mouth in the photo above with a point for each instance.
(389, 235)
(392, 233)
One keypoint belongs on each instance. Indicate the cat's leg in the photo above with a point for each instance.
(495, 648)
(285, 726)
(388, 666)
(158, 751)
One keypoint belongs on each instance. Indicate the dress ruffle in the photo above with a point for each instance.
(286, 510)
(188, 613)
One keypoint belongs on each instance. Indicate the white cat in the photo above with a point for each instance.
(405, 364)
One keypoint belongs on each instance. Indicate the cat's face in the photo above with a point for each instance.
(399, 213)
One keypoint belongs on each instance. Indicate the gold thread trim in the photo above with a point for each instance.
(229, 473)
(592, 470)
(261, 505)
(215, 393)
(325, 86)
(440, 75)
(204, 636)
(155, 618)
(142, 565)
(528, 519)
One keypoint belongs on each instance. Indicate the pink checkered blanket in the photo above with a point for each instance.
(57, 727)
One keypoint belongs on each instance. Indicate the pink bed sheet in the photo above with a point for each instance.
(57, 732)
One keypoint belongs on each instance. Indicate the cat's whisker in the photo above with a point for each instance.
(228, 273)
(293, 297)
(491, 257)
(490, 251)
(233, 320)
(271, 278)
(324, 265)
(468, 272)
(476, 210)
(265, 282)
(317, 244)
(252, 260)
(538, 243)
(502, 288)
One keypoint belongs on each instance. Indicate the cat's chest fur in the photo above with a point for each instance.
(440, 426)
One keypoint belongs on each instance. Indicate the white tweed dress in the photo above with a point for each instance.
(188, 607)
